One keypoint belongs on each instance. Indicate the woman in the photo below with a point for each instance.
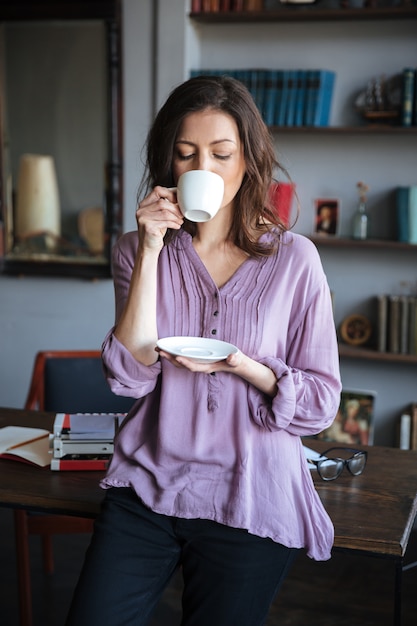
(208, 471)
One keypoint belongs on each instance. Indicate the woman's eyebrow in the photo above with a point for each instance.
(216, 141)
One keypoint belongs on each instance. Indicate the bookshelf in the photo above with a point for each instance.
(310, 14)
(328, 161)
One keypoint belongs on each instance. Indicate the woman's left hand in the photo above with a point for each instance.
(255, 373)
(225, 365)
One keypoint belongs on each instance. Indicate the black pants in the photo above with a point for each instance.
(230, 576)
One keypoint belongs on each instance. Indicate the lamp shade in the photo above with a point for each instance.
(37, 203)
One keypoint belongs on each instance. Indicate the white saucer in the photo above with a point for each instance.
(199, 349)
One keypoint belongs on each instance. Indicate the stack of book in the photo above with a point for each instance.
(406, 213)
(287, 97)
(397, 324)
(84, 441)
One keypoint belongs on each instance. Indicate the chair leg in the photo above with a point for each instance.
(47, 554)
(23, 567)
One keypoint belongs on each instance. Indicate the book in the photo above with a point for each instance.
(404, 325)
(292, 77)
(300, 98)
(323, 101)
(407, 104)
(196, 6)
(401, 213)
(281, 98)
(83, 447)
(281, 108)
(382, 322)
(412, 214)
(394, 324)
(77, 463)
(100, 426)
(30, 445)
(412, 325)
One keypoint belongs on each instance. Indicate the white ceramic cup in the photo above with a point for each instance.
(200, 195)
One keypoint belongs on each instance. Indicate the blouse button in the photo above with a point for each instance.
(214, 331)
(215, 313)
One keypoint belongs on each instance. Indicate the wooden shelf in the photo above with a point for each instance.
(350, 352)
(346, 242)
(306, 14)
(368, 129)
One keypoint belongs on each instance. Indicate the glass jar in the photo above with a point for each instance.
(361, 222)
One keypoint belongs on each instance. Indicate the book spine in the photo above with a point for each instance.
(404, 313)
(300, 98)
(63, 465)
(401, 210)
(311, 86)
(407, 97)
(291, 97)
(329, 80)
(415, 99)
(279, 95)
(196, 6)
(412, 325)
(412, 214)
(282, 104)
(270, 96)
(394, 324)
(382, 320)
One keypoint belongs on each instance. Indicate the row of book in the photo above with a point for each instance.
(407, 428)
(406, 213)
(213, 6)
(397, 324)
(287, 97)
(409, 97)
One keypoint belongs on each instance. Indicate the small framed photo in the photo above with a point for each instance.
(354, 422)
(326, 216)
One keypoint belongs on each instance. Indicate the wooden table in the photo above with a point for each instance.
(373, 514)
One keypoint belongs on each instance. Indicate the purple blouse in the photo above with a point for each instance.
(213, 446)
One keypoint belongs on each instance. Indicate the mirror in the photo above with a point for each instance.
(61, 174)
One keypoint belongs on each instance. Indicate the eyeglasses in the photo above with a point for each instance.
(329, 468)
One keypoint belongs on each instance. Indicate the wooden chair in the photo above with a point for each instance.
(62, 382)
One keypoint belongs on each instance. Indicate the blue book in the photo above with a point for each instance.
(401, 210)
(300, 98)
(261, 77)
(291, 97)
(282, 93)
(322, 98)
(270, 96)
(312, 79)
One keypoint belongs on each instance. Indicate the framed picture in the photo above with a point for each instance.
(326, 216)
(354, 422)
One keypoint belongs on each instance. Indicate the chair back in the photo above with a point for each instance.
(72, 381)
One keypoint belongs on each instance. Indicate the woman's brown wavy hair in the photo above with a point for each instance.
(228, 95)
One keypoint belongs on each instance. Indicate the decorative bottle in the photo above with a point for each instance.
(361, 221)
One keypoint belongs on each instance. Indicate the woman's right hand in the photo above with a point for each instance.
(155, 214)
